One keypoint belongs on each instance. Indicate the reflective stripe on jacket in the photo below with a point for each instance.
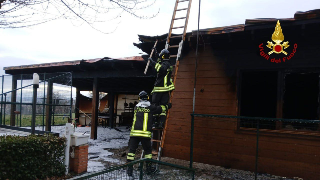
(164, 81)
(142, 120)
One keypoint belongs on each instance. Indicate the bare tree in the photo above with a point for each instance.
(25, 13)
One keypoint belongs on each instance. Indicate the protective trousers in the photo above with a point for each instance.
(133, 145)
(160, 98)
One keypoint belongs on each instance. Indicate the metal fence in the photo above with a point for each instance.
(255, 147)
(165, 171)
(54, 98)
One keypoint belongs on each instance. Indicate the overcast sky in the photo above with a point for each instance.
(62, 40)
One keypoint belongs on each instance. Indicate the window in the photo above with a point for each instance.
(258, 97)
(292, 96)
(300, 100)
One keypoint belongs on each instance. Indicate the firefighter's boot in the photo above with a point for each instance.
(155, 120)
(162, 121)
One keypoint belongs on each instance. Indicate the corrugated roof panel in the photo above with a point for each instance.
(65, 63)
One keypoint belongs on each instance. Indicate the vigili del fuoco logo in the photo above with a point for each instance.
(277, 47)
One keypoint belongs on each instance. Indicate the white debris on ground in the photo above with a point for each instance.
(5, 131)
(99, 156)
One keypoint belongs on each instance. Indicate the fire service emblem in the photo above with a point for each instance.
(278, 37)
(277, 47)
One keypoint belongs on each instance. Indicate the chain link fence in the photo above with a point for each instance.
(54, 98)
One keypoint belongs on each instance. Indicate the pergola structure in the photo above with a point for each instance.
(113, 76)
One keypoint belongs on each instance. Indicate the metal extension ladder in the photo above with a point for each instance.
(173, 46)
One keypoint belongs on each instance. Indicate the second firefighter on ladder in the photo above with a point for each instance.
(163, 85)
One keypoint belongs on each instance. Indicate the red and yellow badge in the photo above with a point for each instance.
(278, 37)
(277, 47)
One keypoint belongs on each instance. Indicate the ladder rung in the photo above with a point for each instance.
(173, 56)
(176, 36)
(177, 27)
(182, 9)
(180, 18)
(154, 152)
(154, 140)
(182, 1)
(174, 46)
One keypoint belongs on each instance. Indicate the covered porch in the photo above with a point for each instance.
(113, 76)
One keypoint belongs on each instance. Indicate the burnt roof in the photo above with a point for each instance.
(126, 74)
(223, 33)
(221, 30)
(122, 75)
(67, 65)
(259, 22)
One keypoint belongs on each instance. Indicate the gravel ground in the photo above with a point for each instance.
(203, 171)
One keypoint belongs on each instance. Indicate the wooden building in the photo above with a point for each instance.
(236, 76)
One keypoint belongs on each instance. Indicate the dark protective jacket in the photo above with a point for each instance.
(164, 81)
(142, 119)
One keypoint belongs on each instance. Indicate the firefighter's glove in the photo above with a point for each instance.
(150, 59)
(152, 63)
(155, 52)
(168, 106)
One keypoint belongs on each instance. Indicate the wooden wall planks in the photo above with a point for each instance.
(217, 141)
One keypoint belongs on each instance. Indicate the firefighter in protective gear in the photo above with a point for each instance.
(142, 127)
(163, 85)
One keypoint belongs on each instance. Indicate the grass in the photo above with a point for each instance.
(26, 120)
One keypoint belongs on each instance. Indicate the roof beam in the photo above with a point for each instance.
(112, 74)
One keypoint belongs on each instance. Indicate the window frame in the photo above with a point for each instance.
(279, 105)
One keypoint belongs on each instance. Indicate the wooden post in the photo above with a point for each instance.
(77, 104)
(111, 108)
(280, 85)
(13, 100)
(48, 106)
(239, 79)
(95, 105)
(34, 108)
(116, 108)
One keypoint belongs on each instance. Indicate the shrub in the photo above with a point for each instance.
(31, 157)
